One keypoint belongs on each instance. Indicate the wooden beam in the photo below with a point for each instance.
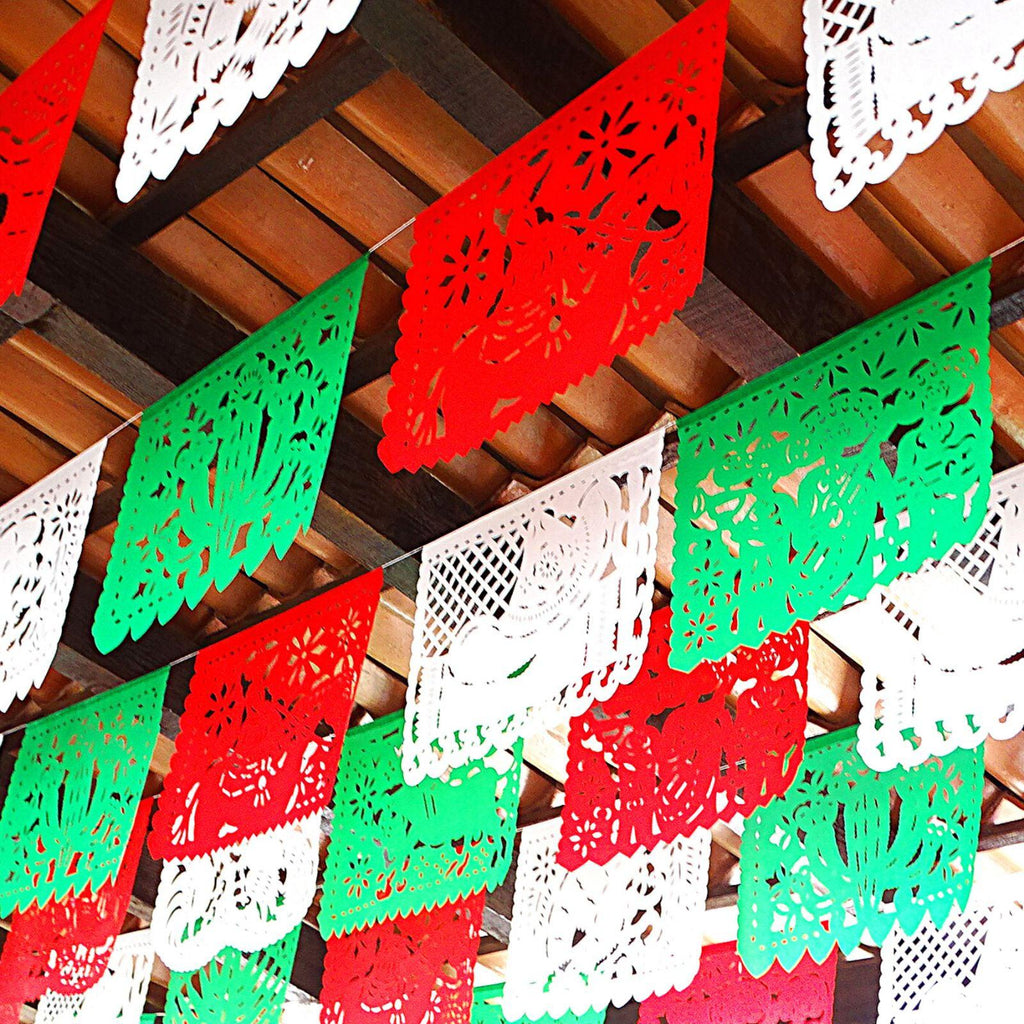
(407, 35)
(324, 85)
(1008, 302)
(781, 131)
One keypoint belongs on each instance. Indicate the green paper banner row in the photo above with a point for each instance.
(398, 849)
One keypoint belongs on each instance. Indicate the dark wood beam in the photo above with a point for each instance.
(171, 331)
(407, 35)
(326, 83)
(780, 132)
(1008, 302)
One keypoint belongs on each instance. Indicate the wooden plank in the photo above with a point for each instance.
(763, 269)
(324, 85)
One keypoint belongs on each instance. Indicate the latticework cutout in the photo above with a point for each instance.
(488, 1009)
(941, 649)
(533, 612)
(965, 970)
(234, 988)
(119, 997)
(64, 946)
(886, 77)
(247, 896)
(576, 243)
(606, 933)
(397, 849)
(227, 467)
(861, 460)
(676, 751)
(847, 852)
(74, 794)
(41, 535)
(202, 62)
(408, 970)
(724, 992)
(37, 117)
(264, 724)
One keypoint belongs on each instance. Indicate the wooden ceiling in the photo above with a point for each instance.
(125, 303)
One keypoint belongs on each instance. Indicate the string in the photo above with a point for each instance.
(1006, 248)
(181, 659)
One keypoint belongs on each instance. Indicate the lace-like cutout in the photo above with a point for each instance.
(75, 792)
(37, 116)
(201, 64)
(606, 933)
(397, 849)
(531, 613)
(548, 262)
(247, 896)
(724, 992)
(941, 649)
(64, 947)
(119, 997)
(487, 1009)
(777, 513)
(408, 970)
(234, 988)
(672, 752)
(823, 864)
(965, 970)
(41, 535)
(264, 724)
(886, 77)
(227, 467)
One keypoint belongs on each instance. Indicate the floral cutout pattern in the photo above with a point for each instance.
(41, 536)
(65, 946)
(605, 933)
(677, 751)
(397, 849)
(825, 864)
(234, 988)
(37, 117)
(576, 243)
(408, 970)
(264, 723)
(75, 793)
(532, 612)
(724, 992)
(860, 461)
(201, 64)
(887, 77)
(227, 467)
(941, 648)
(118, 997)
(247, 896)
